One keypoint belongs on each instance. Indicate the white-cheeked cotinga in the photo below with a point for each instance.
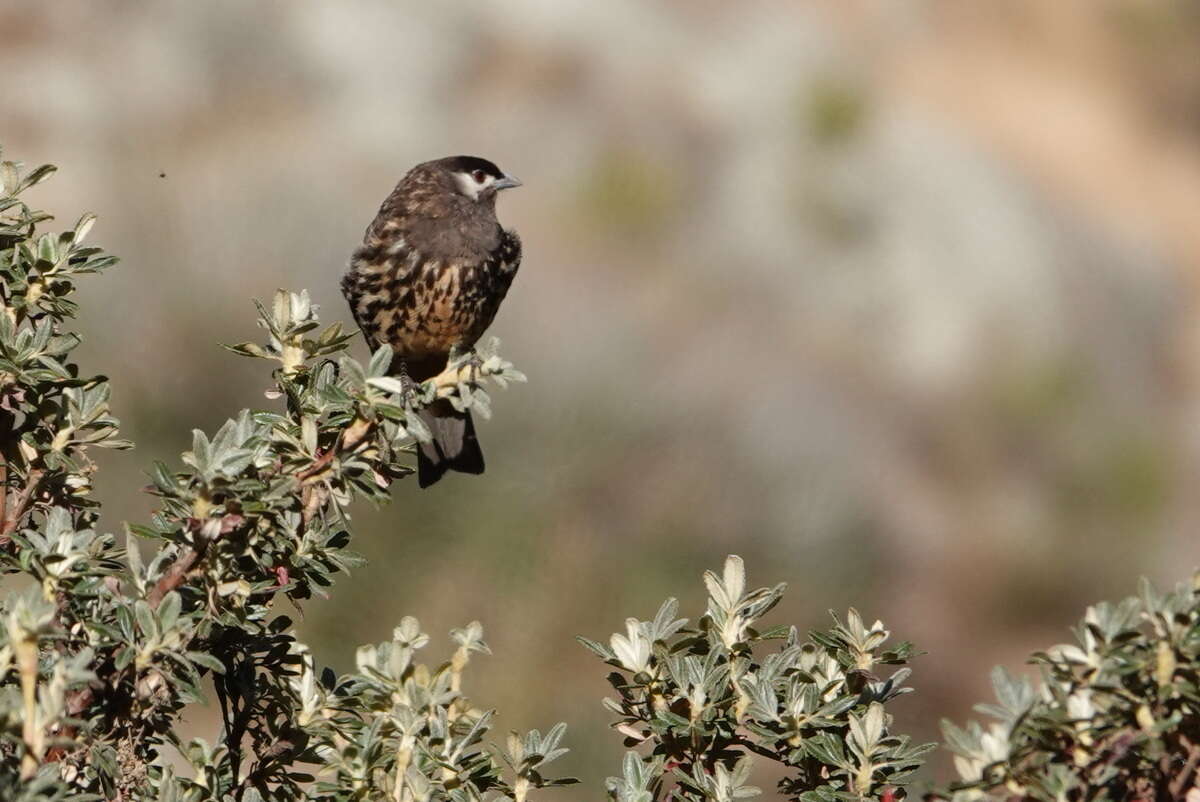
(434, 265)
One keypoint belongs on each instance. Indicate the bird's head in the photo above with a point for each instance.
(475, 178)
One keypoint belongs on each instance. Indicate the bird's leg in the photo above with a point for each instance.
(408, 387)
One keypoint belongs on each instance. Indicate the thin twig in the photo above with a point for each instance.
(24, 499)
(4, 496)
(174, 575)
(453, 375)
(1180, 785)
(318, 465)
(266, 760)
(746, 743)
(8, 441)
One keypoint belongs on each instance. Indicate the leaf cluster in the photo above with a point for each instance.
(1115, 716)
(700, 700)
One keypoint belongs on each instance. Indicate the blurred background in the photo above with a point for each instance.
(894, 299)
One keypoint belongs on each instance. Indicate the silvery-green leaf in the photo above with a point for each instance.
(389, 384)
(381, 360)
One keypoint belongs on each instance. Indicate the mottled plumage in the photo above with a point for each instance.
(429, 277)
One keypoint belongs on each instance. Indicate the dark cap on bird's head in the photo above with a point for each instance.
(473, 177)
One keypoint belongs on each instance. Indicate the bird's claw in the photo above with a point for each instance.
(473, 363)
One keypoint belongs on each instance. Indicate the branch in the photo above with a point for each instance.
(468, 372)
(453, 375)
(746, 743)
(24, 499)
(319, 464)
(1179, 786)
(4, 541)
(274, 754)
(175, 574)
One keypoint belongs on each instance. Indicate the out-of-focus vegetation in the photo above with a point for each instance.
(1117, 715)
(908, 311)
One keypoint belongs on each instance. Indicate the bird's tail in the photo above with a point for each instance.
(454, 446)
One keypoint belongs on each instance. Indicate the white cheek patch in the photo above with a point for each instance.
(468, 187)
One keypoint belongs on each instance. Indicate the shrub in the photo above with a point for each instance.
(703, 701)
(1116, 715)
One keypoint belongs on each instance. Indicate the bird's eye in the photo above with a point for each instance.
(479, 175)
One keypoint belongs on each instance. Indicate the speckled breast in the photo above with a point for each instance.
(426, 307)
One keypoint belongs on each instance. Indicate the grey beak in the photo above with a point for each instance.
(507, 182)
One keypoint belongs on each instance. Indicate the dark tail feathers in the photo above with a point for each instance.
(454, 446)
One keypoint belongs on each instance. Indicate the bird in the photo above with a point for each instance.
(428, 279)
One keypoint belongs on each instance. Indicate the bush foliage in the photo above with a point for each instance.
(704, 702)
(102, 649)
(1116, 716)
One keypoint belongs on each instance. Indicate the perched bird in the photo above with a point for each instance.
(434, 265)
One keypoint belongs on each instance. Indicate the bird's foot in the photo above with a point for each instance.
(472, 362)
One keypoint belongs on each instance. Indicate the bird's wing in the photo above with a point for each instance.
(508, 255)
(378, 278)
